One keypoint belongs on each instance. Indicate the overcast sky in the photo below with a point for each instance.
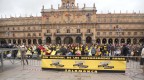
(28, 7)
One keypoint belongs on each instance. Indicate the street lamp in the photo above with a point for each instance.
(118, 32)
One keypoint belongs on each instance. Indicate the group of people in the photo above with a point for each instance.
(85, 50)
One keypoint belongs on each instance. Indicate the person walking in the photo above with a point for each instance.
(23, 50)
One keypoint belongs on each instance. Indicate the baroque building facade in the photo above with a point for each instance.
(71, 24)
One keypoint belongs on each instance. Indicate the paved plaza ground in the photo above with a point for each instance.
(16, 72)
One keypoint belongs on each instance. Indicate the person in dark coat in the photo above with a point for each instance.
(125, 51)
(63, 50)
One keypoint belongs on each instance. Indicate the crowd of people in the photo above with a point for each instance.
(85, 50)
(80, 50)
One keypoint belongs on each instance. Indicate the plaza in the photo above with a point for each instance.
(71, 32)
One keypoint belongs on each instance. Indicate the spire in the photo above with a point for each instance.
(114, 11)
(94, 5)
(51, 6)
(1, 16)
(139, 11)
(84, 5)
(58, 6)
(43, 7)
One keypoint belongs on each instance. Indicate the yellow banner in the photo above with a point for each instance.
(85, 63)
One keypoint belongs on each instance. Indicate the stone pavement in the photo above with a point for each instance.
(16, 72)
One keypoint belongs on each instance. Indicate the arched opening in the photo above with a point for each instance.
(128, 41)
(3, 41)
(134, 41)
(104, 41)
(122, 40)
(9, 41)
(88, 39)
(58, 40)
(34, 41)
(110, 41)
(14, 41)
(29, 41)
(98, 41)
(78, 39)
(48, 40)
(24, 41)
(116, 41)
(141, 41)
(19, 41)
(39, 41)
(68, 40)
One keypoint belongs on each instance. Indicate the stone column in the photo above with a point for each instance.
(6, 40)
(31, 41)
(11, 41)
(113, 40)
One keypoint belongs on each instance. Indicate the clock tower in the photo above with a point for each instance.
(68, 4)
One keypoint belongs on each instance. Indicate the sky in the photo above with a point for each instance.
(33, 7)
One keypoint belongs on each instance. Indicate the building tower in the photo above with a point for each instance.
(68, 4)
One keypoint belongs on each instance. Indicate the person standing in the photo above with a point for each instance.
(142, 56)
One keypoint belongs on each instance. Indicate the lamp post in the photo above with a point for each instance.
(118, 32)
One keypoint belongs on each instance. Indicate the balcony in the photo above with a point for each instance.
(68, 34)
(88, 34)
(48, 34)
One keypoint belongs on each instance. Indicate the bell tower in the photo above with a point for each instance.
(68, 4)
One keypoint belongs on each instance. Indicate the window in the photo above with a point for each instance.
(135, 33)
(39, 34)
(48, 31)
(88, 31)
(78, 30)
(110, 33)
(13, 28)
(129, 33)
(8, 28)
(104, 33)
(28, 28)
(110, 20)
(122, 33)
(29, 34)
(13, 35)
(58, 31)
(104, 20)
(141, 33)
(68, 31)
(98, 33)
(34, 34)
(18, 28)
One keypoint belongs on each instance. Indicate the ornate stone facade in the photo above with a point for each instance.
(71, 24)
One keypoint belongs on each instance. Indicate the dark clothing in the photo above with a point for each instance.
(125, 51)
(63, 50)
